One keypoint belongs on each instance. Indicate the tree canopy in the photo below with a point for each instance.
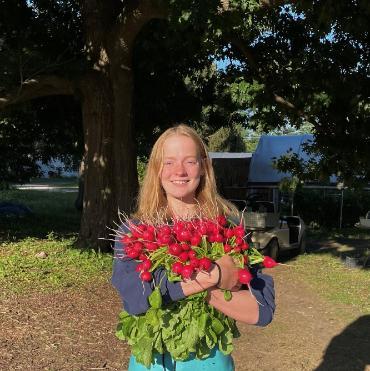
(136, 66)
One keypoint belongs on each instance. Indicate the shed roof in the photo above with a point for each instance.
(274, 146)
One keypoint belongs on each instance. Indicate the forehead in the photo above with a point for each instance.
(179, 146)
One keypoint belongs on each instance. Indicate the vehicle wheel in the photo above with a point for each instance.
(302, 244)
(273, 249)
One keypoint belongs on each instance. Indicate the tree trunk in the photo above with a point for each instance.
(99, 205)
(110, 179)
(126, 181)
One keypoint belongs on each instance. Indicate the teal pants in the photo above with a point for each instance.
(217, 361)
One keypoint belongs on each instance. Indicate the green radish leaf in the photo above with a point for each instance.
(202, 323)
(143, 351)
(155, 298)
(158, 345)
(217, 326)
(224, 344)
(152, 317)
(227, 295)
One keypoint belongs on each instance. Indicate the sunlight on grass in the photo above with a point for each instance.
(328, 276)
(43, 265)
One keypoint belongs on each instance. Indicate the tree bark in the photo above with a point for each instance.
(99, 201)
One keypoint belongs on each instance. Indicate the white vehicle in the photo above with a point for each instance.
(270, 233)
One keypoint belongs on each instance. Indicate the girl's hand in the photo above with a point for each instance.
(237, 287)
(229, 273)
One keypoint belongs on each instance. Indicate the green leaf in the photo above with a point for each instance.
(152, 317)
(202, 323)
(143, 351)
(227, 295)
(225, 343)
(155, 298)
(217, 326)
(211, 338)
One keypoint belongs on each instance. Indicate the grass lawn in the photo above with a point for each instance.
(37, 252)
(328, 276)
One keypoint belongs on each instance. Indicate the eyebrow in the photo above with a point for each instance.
(185, 158)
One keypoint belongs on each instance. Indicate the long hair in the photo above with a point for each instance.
(152, 202)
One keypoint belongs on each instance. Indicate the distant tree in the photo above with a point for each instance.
(227, 139)
(28, 135)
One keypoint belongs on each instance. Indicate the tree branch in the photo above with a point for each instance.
(135, 18)
(38, 87)
(248, 54)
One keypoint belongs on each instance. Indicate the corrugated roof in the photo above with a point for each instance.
(274, 146)
(230, 155)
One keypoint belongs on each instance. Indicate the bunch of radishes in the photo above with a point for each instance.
(188, 246)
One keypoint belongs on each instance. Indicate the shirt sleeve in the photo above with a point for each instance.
(262, 287)
(133, 291)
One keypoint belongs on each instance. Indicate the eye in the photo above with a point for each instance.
(168, 163)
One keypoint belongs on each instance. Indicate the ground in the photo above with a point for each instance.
(74, 330)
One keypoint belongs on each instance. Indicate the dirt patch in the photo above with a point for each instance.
(75, 331)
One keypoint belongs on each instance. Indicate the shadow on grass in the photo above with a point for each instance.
(351, 246)
(52, 212)
(350, 350)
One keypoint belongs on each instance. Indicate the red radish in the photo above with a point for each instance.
(227, 248)
(164, 239)
(178, 227)
(139, 267)
(146, 276)
(244, 246)
(195, 240)
(237, 249)
(184, 235)
(147, 264)
(205, 264)
(194, 262)
(229, 233)
(177, 267)
(151, 246)
(239, 231)
(138, 246)
(212, 238)
(126, 239)
(192, 254)
(185, 246)
(143, 257)
(184, 256)
(175, 249)
(202, 229)
(133, 254)
(187, 271)
(245, 276)
(219, 237)
(239, 240)
(148, 236)
(165, 230)
(150, 228)
(221, 220)
(269, 262)
(141, 227)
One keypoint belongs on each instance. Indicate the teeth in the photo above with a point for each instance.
(180, 181)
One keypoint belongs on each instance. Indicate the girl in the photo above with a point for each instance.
(178, 183)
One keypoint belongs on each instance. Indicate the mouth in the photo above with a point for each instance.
(180, 181)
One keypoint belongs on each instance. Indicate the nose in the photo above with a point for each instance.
(180, 169)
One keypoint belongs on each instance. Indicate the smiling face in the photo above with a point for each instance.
(181, 169)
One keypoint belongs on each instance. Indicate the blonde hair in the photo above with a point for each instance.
(152, 202)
